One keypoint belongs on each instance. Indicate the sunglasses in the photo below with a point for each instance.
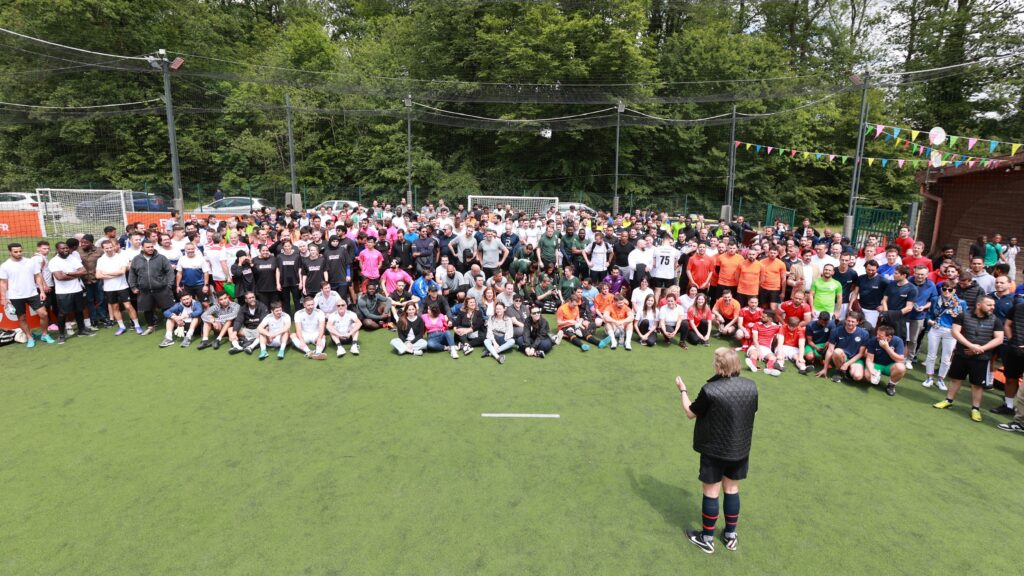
(947, 290)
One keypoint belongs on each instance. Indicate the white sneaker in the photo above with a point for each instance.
(455, 354)
(614, 346)
(751, 365)
(876, 378)
(909, 365)
(772, 372)
(940, 385)
(355, 349)
(341, 351)
(627, 346)
(558, 338)
(467, 350)
(928, 382)
(417, 352)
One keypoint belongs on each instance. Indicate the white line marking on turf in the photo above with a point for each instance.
(490, 415)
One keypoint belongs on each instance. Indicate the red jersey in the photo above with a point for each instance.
(912, 262)
(766, 333)
(904, 244)
(751, 317)
(792, 337)
(700, 267)
(790, 309)
(697, 316)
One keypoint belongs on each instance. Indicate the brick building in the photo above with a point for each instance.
(960, 204)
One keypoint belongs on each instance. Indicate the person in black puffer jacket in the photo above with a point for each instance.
(724, 410)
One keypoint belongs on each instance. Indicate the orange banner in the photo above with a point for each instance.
(19, 223)
(12, 323)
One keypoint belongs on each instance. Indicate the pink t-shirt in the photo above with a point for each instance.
(439, 324)
(390, 278)
(369, 262)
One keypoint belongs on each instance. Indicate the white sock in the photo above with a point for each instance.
(168, 335)
(1009, 402)
(120, 324)
(88, 323)
(263, 347)
(190, 332)
(320, 346)
(136, 321)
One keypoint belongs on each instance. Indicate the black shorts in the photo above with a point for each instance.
(662, 282)
(196, 292)
(966, 368)
(1013, 364)
(118, 296)
(745, 299)
(158, 301)
(33, 302)
(74, 302)
(713, 469)
(769, 297)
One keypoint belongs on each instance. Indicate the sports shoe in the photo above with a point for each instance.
(804, 371)
(975, 414)
(88, 333)
(138, 330)
(837, 378)
(751, 365)
(467, 350)
(614, 346)
(62, 339)
(603, 343)
(928, 382)
(318, 356)
(264, 355)
(1011, 427)
(420, 353)
(249, 350)
(455, 353)
(216, 344)
(120, 331)
(341, 351)
(149, 330)
(584, 347)
(909, 364)
(234, 351)
(485, 354)
(731, 540)
(30, 343)
(890, 389)
(501, 359)
(780, 366)
(354, 349)
(772, 371)
(941, 384)
(1002, 409)
(204, 345)
(46, 338)
(628, 347)
(166, 342)
(186, 342)
(540, 354)
(876, 378)
(942, 404)
(697, 539)
(558, 338)
(280, 353)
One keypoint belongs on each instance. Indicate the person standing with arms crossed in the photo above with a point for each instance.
(724, 409)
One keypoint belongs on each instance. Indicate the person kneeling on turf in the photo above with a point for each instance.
(182, 317)
(343, 325)
(309, 329)
(273, 331)
(846, 349)
(219, 318)
(885, 355)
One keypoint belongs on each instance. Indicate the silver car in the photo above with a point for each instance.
(234, 205)
(337, 205)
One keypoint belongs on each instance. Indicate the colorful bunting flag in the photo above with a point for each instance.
(913, 134)
(971, 142)
(992, 146)
(770, 150)
(1013, 149)
(900, 161)
(895, 131)
(879, 128)
(952, 140)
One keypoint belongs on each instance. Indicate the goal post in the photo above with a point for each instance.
(528, 204)
(69, 211)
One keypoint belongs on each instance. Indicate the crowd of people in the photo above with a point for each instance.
(453, 280)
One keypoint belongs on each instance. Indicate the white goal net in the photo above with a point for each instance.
(70, 211)
(529, 204)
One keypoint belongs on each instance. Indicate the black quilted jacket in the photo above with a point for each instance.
(725, 410)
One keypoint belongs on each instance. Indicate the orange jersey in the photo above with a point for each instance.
(567, 315)
(750, 278)
(772, 274)
(603, 301)
(728, 311)
(618, 313)
(728, 269)
(701, 268)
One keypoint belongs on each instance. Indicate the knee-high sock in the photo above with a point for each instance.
(732, 512)
(709, 516)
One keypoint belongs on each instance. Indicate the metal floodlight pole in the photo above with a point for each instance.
(172, 136)
(408, 149)
(618, 127)
(858, 158)
(291, 147)
(731, 180)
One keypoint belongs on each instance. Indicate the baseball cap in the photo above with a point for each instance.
(432, 286)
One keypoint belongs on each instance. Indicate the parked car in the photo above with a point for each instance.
(337, 205)
(234, 205)
(563, 208)
(111, 204)
(29, 201)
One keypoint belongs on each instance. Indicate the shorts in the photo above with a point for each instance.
(1013, 365)
(310, 338)
(662, 282)
(811, 350)
(713, 469)
(74, 302)
(118, 296)
(248, 334)
(964, 368)
(770, 297)
(745, 299)
(32, 302)
(196, 292)
(763, 351)
(789, 352)
(883, 368)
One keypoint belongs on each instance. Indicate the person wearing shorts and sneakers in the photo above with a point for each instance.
(846, 349)
(886, 354)
(343, 326)
(68, 271)
(724, 409)
(309, 329)
(792, 340)
(273, 331)
(21, 287)
(977, 333)
(1013, 367)
(665, 269)
(818, 334)
(764, 338)
(182, 317)
(112, 269)
(219, 318)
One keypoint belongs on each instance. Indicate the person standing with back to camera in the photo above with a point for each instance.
(724, 409)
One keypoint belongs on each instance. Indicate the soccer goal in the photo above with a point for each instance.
(528, 204)
(69, 211)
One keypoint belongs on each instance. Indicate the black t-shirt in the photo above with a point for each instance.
(977, 331)
(265, 271)
(242, 278)
(336, 261)
(846, 280)
(621, 253)
(288, 264)
(314, 270)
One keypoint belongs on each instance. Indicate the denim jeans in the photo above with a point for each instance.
(96, 302)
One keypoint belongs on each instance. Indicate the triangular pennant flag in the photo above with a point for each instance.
(916, 163)
(770, 148)
(878, 130)
(738, 143)
(867, 128)
(792, 153)
(992, 146)
(913, 134)
(995, 163)
(906, 144)
(971, 163)
(845, 158)
(748, 146)
(885, 161)
(871, 161)
(914, 148)
(952, 140)
(946, 156)
(900, 162)
(1013, 149)
(895, 131)
(817, 156)
(758, 146)
(971, 142)
(957, 164)
(831, 157)
(807, 154)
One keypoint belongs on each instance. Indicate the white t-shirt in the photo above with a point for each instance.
(599, 255)
(66, 265)
(665, 258)
(343, 322)
(214, 255)
(645, 257)
(179, 245)
(196, 262)
(21, 277)
(171, 254)
(671, 316)
(130, 253)
(328, 304)
(111, 265)
(275, 324)
(309, 324)
(638, 297)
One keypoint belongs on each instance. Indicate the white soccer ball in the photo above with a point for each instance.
(20, 337)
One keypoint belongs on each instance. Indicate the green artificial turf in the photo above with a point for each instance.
(121, 458)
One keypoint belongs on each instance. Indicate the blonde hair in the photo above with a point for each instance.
(727, 362)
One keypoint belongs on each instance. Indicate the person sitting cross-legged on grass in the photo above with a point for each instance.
(764, 337)
(699, 318)
(343, 326)
(726, 314)
(646, 323)
(438, 334)
(791, 341)
(219, 319)
(672, 321)
(570, 325)
(845, 349)
(885, 355)
(273, 331)
(246, 336)
(618, 322)
(818, 333)
(309, 329)
(469, 326)
(409, 332)
(499, 334)
(183, 316)
(536, 339)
